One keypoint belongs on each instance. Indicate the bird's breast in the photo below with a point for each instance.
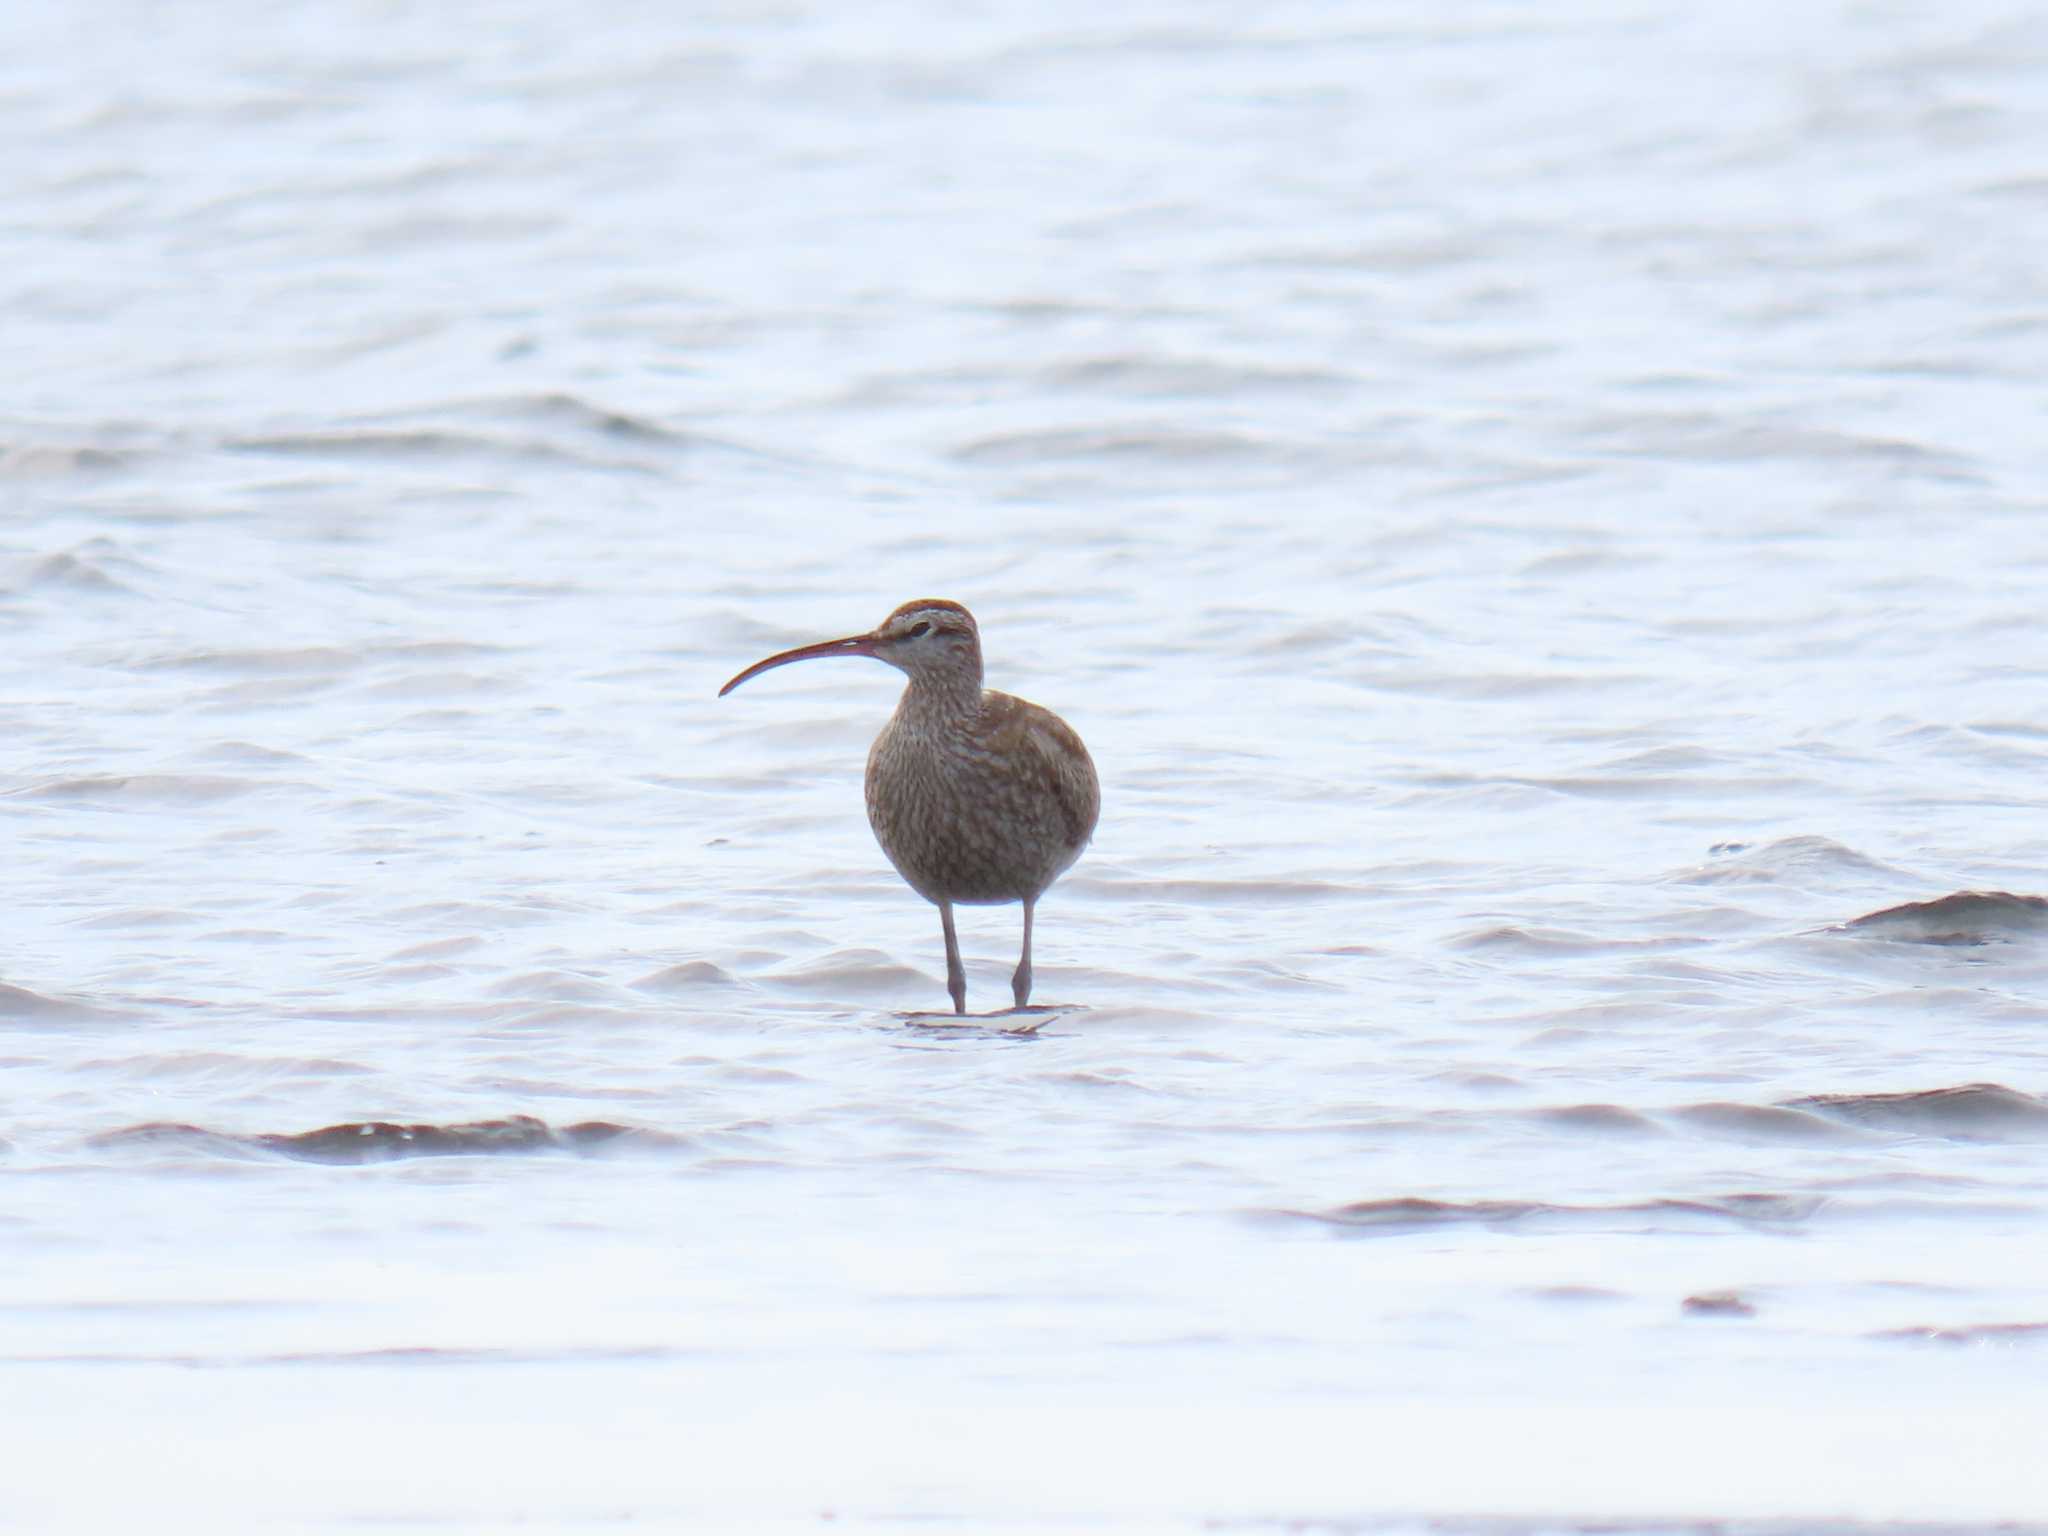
(974, 811)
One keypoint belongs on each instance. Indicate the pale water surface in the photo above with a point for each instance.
(1537, 511)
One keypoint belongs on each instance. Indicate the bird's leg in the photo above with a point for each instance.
(956, 973)
(1020, 984)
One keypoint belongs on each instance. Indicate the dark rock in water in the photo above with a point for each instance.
(1974, 1111)
(383, 1141)
(1718, 1304)
(1965, 917)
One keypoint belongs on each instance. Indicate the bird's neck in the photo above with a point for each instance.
(937, 701)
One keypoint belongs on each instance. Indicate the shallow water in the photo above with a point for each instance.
(1537, 517)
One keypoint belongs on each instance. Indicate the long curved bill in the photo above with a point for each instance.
(852, 645)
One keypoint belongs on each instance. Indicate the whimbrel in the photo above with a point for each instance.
(977, 798)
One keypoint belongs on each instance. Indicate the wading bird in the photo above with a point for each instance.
(977, 798)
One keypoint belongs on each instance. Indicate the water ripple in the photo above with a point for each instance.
(381, 1141)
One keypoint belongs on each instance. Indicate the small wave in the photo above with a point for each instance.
(1176, 377)
(223, 1064)
(690, 976)
(1786, 858)
(251, 755)
(25, 461)
(433, 686)
(438, 1354)
(19, 1005)
(1136, 443)
(568, 410)
(422, 443)
(93, 567)
(383, 1141)
(258, 661)
(554, 987)
(395, 1354)
(522, 428)
(73, 572)
(1965, 917)
(138, 919)
(1224, 893)
(385, 443)
(1709, 438)
(2018, 730)
(1483, 687)
(1573, 562)
(436, 650)
(1413, 1214)
(440, 949)
(852, 971)
(1718, 1304)
(140, 788)
(1761, 1122)
(1575, 1295)
(1309, 639)
(1515, 939)
(474, 915)
(1598, 1119)
(1422, 252)
(1972, 1112)
(1970, 1334)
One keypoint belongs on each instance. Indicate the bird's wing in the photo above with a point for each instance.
(1041, 737)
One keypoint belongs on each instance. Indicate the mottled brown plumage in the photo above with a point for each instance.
(975, 796)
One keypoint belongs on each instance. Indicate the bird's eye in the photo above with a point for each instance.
(919, 630)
